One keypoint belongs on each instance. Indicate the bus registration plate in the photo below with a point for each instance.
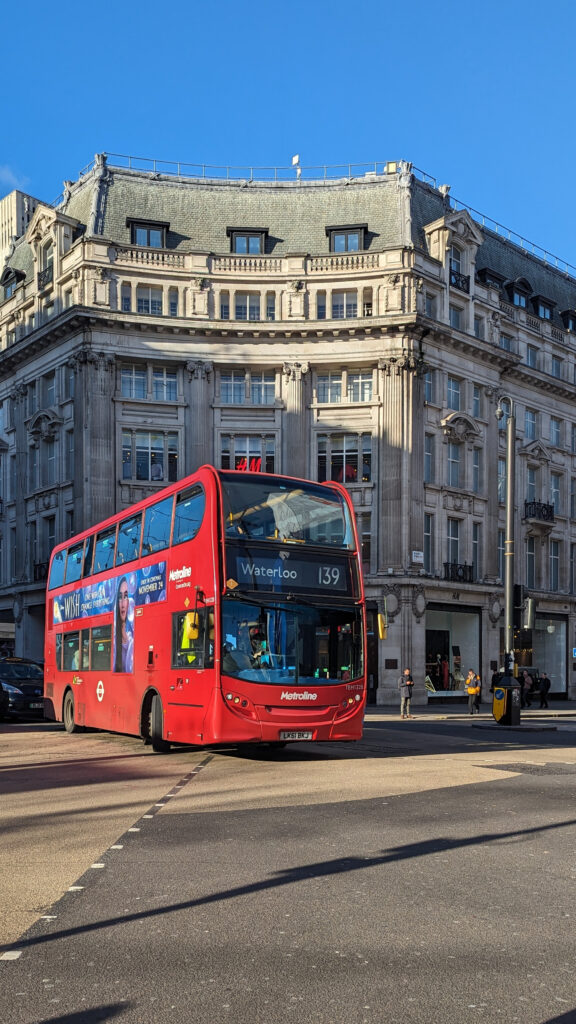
(301, 735)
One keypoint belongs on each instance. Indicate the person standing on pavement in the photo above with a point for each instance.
(544, 687)
(473, 691)
(405, 685)
(478, 697)
(526, 690)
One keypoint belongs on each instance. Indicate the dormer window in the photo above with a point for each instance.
(347, 238)
(455, 259)
(247, 241)
(543, 307)
(491, 278)
(455, 262)
(10, 280)
(519, 292)
(569, 320)
(46, 273)
(148, 233)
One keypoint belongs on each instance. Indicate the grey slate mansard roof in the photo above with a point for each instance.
(200, 212)
(296, 215)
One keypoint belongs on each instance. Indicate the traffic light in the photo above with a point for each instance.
(524, 608)
(518, 610)
(528, 614)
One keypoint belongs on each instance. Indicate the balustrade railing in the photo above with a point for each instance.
(45, 276)
(539, 510)
(156, 257)
(508, 310)
(247, 264)
(458, 573)
(460, 281)
(347, 261)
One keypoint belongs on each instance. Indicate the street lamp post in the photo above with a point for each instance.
(509, 536)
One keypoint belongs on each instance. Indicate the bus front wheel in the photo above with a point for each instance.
(159, 745)
(68, 713)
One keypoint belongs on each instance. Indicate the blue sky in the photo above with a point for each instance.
(480, 96)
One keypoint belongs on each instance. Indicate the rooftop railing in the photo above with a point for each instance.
(296, 172)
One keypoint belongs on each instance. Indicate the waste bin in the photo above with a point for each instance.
(506, 701)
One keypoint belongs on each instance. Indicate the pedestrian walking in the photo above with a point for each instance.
(473, 691)
(496, 677)
(544, 687)
(526, 689)
(405, 685)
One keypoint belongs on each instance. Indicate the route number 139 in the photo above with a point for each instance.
(328, 576)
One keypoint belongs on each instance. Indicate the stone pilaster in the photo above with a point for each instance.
(401, 468)
(199, 445)
(95, 435)
(294, 432)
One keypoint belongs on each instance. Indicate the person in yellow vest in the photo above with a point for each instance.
(190, 636)
(473, 691)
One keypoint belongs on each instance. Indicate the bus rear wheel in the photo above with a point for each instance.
(159, 745)
(68, 713)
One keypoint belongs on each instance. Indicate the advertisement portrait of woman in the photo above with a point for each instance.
(123, 629)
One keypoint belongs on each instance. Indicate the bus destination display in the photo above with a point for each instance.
(287, 571)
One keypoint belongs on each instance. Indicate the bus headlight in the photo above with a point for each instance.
(240, 703)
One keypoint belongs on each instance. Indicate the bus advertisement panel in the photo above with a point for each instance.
(227, 608)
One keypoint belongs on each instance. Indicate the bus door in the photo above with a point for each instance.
(192, 671)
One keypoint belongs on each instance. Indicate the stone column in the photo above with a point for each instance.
(199, 442)
(295, 434)
(401, 465)
(491, 456)
(94, 435)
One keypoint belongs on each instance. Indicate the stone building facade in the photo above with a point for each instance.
(363, 329)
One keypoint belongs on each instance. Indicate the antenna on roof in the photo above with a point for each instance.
(296, 164)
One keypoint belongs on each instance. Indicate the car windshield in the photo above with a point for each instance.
(295, 643)
(15, 670)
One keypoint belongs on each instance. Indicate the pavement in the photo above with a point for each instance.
(389, 712)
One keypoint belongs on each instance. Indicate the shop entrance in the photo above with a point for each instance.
(438, 658)
(452, 647)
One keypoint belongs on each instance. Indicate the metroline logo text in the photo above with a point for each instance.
(286, 695)
(180, 574)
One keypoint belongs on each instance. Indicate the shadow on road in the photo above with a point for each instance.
(290, 876)
(94, 1016)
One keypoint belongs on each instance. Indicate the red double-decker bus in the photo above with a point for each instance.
(228, 608)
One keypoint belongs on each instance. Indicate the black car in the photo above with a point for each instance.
(23, 681)
(3, 701)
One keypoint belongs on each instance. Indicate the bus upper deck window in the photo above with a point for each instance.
(104, 551)
(74, 563)
(128, 546)
(157, 524)
(188, 516)
(88, 553)
(57, 570)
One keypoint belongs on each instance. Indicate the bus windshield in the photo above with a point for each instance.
(291, 643)
(298, 513)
